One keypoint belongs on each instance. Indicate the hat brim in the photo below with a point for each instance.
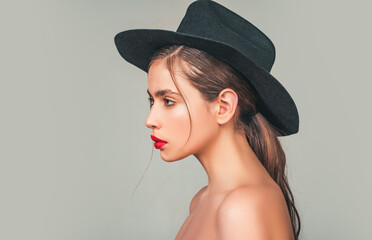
(137, 46)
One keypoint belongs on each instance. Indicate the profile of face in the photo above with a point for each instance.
(169, 118)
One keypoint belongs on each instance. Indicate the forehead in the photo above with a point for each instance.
(159, 77)
(160, 80)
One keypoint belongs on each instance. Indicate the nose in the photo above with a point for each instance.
(152, 121)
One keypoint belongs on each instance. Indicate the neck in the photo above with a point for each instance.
(230, 162)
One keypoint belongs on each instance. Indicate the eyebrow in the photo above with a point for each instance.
(163, 92)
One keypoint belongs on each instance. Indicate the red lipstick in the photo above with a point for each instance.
(158, 142)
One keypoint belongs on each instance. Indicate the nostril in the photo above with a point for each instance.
(150, 124)
(151, 121)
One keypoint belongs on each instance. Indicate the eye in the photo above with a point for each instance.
(167, 100)
(151, 101)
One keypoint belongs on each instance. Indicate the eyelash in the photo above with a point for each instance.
(165, 99)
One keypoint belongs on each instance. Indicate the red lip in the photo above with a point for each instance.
(156, 139)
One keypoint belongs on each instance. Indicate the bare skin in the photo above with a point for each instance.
(241, 200)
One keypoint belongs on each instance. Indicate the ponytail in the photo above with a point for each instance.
(263, 139)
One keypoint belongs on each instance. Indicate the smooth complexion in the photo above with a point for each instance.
(241, 200)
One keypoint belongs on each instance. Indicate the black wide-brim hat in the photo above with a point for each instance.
(213, 28)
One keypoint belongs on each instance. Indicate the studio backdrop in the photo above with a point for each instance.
(75, 151)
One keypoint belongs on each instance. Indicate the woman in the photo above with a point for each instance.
(212, 96)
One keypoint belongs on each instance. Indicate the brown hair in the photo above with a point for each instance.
(210, 76)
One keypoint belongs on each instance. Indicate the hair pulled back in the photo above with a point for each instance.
(210, 76)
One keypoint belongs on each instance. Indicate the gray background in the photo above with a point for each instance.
(74, 143)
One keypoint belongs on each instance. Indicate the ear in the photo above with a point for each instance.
(226, 104)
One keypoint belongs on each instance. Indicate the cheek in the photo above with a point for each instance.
(204, 129)
(177, 127)
(177, 123)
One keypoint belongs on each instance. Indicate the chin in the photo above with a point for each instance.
(168, 158)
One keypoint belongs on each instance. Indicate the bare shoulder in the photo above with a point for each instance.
(196, 197)
(254, 212)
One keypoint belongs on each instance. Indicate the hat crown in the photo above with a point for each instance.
(210, 20)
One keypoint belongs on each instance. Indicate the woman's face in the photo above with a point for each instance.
(169, 118)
